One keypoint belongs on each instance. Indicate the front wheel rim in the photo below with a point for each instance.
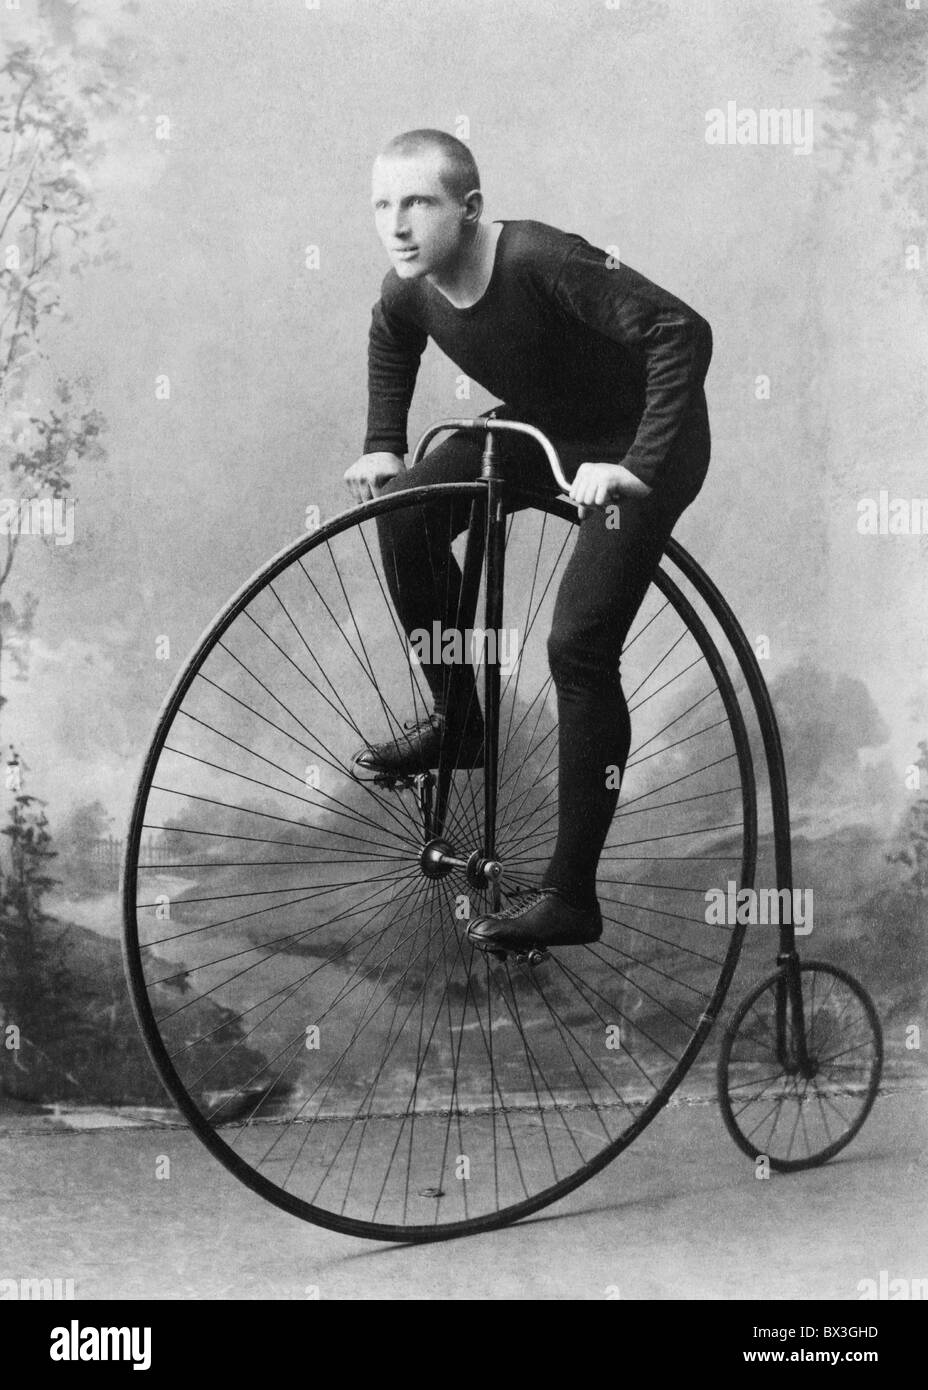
(646, 973)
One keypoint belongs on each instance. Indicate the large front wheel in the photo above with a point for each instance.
(299, 962)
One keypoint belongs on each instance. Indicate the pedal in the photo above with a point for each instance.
(533, 957)
(393, 782)
(389, 781)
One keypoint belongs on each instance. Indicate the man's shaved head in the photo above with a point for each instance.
(459, 173)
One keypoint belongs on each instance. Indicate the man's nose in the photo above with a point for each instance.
(398, 225)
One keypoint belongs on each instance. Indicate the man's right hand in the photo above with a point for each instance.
(371, 473)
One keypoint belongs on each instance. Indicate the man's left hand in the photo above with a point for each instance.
(596, 484)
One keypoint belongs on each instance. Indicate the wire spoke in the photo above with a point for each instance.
(305, 968)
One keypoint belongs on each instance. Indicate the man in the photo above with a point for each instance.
(612, 368)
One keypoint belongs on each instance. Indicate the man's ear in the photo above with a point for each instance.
(472, 208)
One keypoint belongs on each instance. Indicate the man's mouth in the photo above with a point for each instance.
(405, 253)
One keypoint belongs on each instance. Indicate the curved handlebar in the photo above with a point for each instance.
(486, 424)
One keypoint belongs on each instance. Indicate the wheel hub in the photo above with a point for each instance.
(439, 859)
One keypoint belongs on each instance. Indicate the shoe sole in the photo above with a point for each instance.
(501, 949)
(366, 773)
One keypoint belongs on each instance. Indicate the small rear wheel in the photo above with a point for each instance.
(799, 1111)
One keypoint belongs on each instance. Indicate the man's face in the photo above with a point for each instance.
(418, 221)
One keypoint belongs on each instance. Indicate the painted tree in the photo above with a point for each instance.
(877, 60)
(63, 1001)
(33, 987)
(53, 102)
(78, 836)
(53, 99)
(913, 853)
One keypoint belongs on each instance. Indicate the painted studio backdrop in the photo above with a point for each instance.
(187, 267)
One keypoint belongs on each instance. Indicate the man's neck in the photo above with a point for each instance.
(466, 281)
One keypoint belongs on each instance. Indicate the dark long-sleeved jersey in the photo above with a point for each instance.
(578, 347)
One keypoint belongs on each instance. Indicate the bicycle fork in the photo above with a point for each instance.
(485, 554)
(435, 813)
(493, 621)
(792, 1044)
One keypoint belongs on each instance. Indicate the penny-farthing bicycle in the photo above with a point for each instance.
(296, 939)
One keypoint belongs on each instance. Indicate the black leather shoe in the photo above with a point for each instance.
(542, 917)
(419, 749)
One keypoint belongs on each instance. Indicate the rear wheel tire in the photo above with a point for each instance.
(769, 1107)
